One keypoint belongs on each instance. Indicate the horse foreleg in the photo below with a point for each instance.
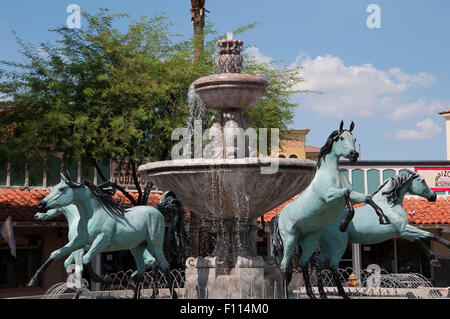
(137, 276)
(308, 245)
(63, 251)
(322, 293)
(286, 264)
(361, 198)
(337, 282)
(98, 245)
(350, 212)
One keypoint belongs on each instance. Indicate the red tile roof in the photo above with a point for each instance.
(419, 210)
(21, 204)
(444, 112)
(311, 149)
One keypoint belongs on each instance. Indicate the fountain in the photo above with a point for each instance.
(229, 187)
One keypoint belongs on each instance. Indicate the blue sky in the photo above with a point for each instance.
(390, 81)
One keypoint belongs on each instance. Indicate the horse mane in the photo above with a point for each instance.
(328, 146)
(105, 198)
(395, 184)
(169, 204)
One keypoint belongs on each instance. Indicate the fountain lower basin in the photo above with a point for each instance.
(231, 188)
(232, 193)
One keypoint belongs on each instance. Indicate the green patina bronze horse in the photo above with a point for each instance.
(104, 225)
(302, 220)
(365, 229)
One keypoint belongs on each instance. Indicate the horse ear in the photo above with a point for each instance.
(352, 126)
(64, 178)
(68, 176)
(342, 126)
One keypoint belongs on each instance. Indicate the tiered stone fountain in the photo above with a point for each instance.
(229, 188)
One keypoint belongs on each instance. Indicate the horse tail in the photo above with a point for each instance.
(176, 239)
(277, 241)
(147, 190)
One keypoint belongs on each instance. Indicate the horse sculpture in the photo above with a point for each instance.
(364, 228)
(76, 257)
(104, 225)
(322, 201)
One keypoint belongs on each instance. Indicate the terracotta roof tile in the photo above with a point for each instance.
(21, 204)
(444, 112)
(419, 210)
(311, 149)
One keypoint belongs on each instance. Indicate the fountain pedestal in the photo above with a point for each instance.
(231, 187)
(250, 278)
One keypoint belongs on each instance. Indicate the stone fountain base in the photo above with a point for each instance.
(250, 278)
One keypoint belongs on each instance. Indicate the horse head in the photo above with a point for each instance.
(61, 195)
(420, 188)
(342, 143)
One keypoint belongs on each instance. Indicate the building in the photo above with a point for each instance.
(22, 186)
(293, 146)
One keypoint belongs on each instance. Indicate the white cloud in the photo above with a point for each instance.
(425, 130)
(257, 55)
(363, 90)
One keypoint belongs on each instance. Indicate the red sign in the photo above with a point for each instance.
(437, 178)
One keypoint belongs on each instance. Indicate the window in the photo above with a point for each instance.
(381, 254)
(344, 172)
(3, 172)
(87, 170)
(18, 172)
(53, 170)
(104, 167)
(36, 172)
(293, 156)
(16, 272)
(388, 173)
(373, 180)
(358, 180)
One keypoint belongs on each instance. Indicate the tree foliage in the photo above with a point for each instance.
(102, 93)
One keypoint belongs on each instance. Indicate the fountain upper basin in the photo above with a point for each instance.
(231, 188)
(230, 90)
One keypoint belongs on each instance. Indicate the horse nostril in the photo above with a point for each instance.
(432, 198)
(36, 219)
(353, 155)
(41, 205)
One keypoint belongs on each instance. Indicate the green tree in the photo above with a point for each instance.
(99, 93)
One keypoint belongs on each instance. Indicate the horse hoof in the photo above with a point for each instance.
(323, 297)
(107, 279)
(311, 295)
(343, 227)
(345, 296)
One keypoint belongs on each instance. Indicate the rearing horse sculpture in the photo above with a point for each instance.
(302, 220)
(104, 226)
(364, 229)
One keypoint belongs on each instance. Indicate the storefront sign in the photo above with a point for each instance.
(437, 178)
(123, 176)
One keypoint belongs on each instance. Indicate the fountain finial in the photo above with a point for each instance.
(230, 59)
